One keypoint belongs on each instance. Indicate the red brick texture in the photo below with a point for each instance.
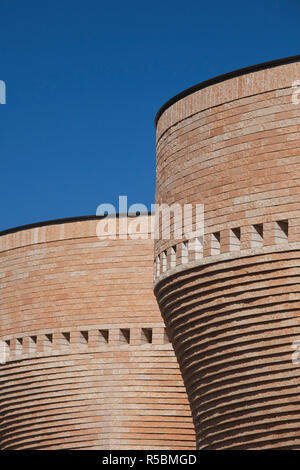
(233, 312)
(90, 365)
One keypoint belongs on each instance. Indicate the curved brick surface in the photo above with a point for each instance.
(232, 310)
(89, 365)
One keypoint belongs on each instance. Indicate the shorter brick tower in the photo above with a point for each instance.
(89, 364)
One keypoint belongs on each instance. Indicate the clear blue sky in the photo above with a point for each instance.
(86, 78)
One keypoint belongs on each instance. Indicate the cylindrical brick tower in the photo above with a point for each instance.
(88, 364)
(232, 310)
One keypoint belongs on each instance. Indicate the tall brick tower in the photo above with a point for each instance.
(233, 311)
(88, 364)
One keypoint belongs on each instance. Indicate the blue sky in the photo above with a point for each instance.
(86, 78)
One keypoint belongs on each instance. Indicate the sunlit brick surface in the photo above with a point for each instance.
(234, 311)
(89, 365)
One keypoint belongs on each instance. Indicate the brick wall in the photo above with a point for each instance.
(233, 309)
(90, 365)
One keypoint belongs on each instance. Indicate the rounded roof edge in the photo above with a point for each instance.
(223, 77)
(67, 220)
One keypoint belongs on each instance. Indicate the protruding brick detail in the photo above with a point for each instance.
(233, 315)
(69, 381)
(259, 237)
(91, 340)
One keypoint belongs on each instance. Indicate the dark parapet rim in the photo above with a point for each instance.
(222, 78)
(67, 220)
